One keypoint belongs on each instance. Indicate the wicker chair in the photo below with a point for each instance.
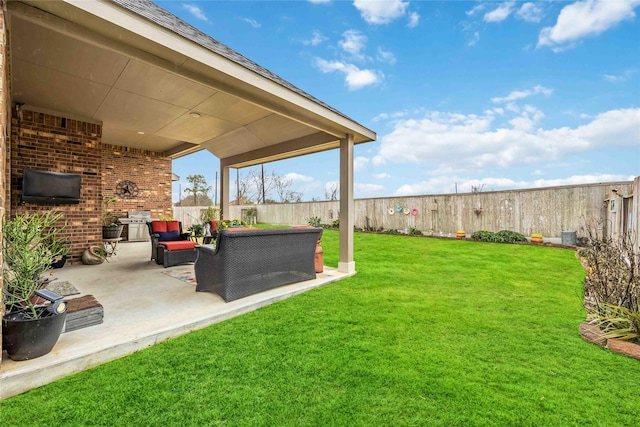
(247, 261)
(169, 245)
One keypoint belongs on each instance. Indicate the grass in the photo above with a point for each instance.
(429, 332)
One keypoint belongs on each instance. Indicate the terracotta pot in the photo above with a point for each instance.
(319, 258)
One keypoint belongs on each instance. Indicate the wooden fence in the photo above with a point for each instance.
(548, 211)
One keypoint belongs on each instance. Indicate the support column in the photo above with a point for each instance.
(5, 105)
(224, 190)
(346, 263)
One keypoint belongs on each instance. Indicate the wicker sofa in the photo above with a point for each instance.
(247, 261)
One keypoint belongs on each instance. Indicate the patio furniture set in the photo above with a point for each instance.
(242, 261)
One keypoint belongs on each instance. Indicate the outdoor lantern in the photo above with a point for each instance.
(57, 306)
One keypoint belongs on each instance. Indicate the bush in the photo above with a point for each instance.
(502, 236)
(484, 236)
(612, 286)
(414, 232)
(508, 236)
(314, 221)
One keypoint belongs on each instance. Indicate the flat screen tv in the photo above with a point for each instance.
(50, 187)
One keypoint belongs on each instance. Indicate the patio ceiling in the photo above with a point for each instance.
(152, 88)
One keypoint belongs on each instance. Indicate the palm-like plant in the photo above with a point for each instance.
(30, 244)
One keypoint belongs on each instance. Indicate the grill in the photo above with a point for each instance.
(137, 225)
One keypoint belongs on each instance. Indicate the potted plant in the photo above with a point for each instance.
(62, 248)
(111, 228)
(197, 231)
(30, 244)
(537, 238)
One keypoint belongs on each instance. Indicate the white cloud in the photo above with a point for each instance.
(620, 77)
(478, 8)
(537, 172)
(355, 78)
(296, 177)
(472, 142)
(353, 43)
(474, 39)
(360, 163)
(386, 56)
(520, 94)
(315, 40)
(583, 19)
(368, 190)
(530, 12)
(580, 179)
(381, 12)
(195, 11)
(383, 175)
(501, 13)
(414, 20)
(444, 184)
(252, 22)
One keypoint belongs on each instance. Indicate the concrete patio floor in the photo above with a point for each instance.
(142, 307)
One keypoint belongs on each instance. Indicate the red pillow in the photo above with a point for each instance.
(159, 226)
(173, 226)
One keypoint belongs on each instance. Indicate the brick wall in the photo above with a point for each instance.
(49, 142)
(148, 170)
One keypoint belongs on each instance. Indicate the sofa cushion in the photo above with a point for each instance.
(178, 245)
(163, 226)
(167, 236)
(159, 226)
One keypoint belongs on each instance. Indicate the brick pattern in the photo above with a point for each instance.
(148, 170)
(49, 142)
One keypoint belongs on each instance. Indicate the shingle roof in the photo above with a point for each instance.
(155, 13)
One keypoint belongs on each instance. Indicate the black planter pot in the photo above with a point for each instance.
(26, 339)
(112, 232)
(60, 263)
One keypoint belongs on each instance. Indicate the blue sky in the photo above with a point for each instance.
(500, 95)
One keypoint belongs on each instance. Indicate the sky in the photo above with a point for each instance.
(461, 94)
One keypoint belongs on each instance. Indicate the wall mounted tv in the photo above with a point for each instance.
(50, 187)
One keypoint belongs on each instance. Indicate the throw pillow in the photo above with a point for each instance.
(167, 236)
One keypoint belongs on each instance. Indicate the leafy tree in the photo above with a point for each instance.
(190, 201)
(198, 187)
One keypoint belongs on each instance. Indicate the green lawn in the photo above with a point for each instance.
(429, 332)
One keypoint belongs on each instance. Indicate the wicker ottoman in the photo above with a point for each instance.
(177, 252)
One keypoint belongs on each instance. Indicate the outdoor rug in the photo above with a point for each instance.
(63, 288)
(183, 272)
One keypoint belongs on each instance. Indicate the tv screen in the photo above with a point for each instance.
(50, 187)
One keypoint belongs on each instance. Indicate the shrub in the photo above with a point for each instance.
(612, 286)
(314, 221)
(502, 236)
(508, 236)
(484, 236)
(414, 232)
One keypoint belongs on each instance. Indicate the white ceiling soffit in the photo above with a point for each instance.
(152, 95)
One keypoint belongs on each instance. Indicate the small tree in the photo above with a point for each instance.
(198, 187)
